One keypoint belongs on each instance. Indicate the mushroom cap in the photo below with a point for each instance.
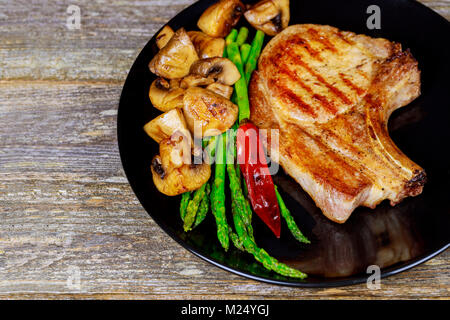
(175, 58)
(206, 46)
(221, 89)
(186, 178)
(164, 36)
(269, 16)
(221, 69)
(195, 80)
(166, 96)
(175, 151)
(218, 20)
(208, 113)
(166, 124)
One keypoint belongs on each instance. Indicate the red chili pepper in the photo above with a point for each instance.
(261, 190)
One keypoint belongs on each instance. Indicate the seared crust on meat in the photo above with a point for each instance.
(330, 94)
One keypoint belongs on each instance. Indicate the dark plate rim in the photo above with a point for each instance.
(327, 282)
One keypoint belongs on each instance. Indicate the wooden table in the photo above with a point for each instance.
(66, 208)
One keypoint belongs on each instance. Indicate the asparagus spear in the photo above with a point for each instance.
(210, 149)
(203, 208)
(253, 57)
(192, 207)
(239, 204)
(290, 220)
(261, 255)
(184, 203)
(235, 239)
(218, 193)
(241, 37)
(245, 52)
(240, 86)
(231, 37)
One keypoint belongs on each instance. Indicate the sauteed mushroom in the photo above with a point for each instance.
(166, 95)
(269, 16)
(165, 125)
(164, 36)
(186, 178)
(195, 80)
(211, 113)
(175, 151)
(206, 46)
(221, 89)
(221, 69)
(218, 20)
(175, 58)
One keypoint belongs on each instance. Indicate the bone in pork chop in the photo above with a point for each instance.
(330, 94)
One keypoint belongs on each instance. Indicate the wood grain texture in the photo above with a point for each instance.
(65, 203)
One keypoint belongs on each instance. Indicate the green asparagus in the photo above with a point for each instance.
(245, 52)
(185, 197)
(261, 255)
(253, 57)
(241, 85)
(203, 208)
(218, 193)
(231, 37)
(290, 220)
(192, 208)
(241, 37)
(235, 239)
(210, 149)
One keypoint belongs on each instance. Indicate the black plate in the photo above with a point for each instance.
(395, 238)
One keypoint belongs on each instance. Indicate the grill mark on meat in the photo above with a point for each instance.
(323, 40)
(292, 75)
(351, 85)
(298, 60)
(361, 73)
(323, 173)
(299, 41)
(290, 96)
(344, 38)
(327, 105)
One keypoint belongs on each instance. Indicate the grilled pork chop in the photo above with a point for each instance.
(330, 94)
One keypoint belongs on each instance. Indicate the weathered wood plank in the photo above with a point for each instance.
(111, 35)
(64, 200)
(36, 44)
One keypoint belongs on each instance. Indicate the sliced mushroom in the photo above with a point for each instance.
(175, 83)
(164, 36)
(175, 151)
(206, 46)
(166, 96)
(186, 178)
(165, 125)
(175, 59)
(195, 80)
(269, 16)
(207, 113)
(221, 69)
(218, 20)
(221, 89)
